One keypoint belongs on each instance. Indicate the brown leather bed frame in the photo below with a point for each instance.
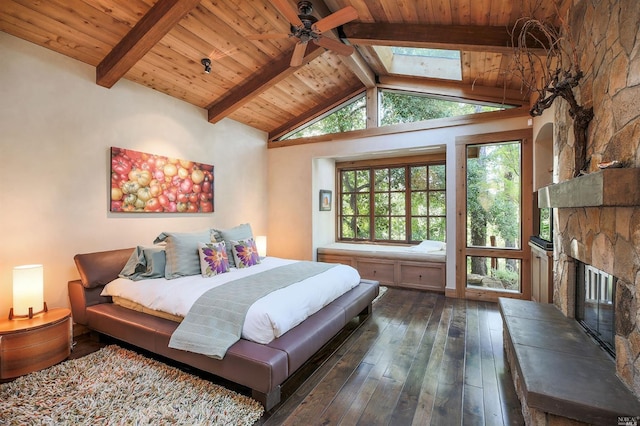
(262, 368)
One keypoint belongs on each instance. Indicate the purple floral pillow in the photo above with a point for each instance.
(245, 253)
(213, 259)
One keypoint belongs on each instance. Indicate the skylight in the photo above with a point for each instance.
(421, 62)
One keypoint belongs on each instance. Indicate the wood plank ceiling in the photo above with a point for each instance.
(160, 44)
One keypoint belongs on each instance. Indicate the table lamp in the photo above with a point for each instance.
(28, 291)
(261, 245)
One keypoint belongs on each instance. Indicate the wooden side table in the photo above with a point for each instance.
(28, 345)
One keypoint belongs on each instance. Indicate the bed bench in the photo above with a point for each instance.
(559, 372)
(262, 368)
(394, 266)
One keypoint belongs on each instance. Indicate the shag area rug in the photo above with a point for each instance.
(115, 386)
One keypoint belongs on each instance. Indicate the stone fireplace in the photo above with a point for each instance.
(597, 223)
(604, 233)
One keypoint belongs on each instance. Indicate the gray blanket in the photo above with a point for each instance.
(215, 320)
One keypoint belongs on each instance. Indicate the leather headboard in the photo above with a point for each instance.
(100, 268)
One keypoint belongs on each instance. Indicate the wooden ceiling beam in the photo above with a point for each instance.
(355, 62)
(495, 39)
(455, 90)
(144, 35)
(267, 77)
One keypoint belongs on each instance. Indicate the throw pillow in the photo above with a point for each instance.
(145, 263)
(213, 259)
(245, 253)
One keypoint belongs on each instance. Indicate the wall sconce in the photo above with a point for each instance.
(261, 245)
(28, 291)
(206, 62)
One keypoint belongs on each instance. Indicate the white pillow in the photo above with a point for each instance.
(430, 245)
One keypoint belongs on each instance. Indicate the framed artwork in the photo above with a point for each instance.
(325, 200)
(149, 183)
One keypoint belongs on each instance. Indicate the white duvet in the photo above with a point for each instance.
(268, 318)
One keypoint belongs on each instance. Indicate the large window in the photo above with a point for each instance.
(397, 107)
(494, 180)
(352, 115)
(400, 203)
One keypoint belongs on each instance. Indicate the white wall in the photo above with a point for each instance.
(56, 127)
(296, 173)
(324, 222)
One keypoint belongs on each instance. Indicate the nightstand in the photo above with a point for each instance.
(28, 345)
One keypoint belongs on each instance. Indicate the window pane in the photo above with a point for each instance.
(437, 203)
(397, 180)
(419, 203)
(382, 179)
(382, 228)
(348, 227)
(362, 230)
(348, 204)
(437, 177)
(493, 273)
(348, 181)
(493, 195)
(349, 116)
(419, 229)
(382, 204)
(419, 178)
(398, 228)
(438, 229)
(362, 181)
(362, 204)
(397, 203)
(404, 107)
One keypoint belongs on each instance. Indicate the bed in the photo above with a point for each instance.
(109, 303)
(420, 266)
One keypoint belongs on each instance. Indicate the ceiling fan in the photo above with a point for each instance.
(306, 27)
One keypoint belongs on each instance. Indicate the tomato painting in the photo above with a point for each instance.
(147, 183)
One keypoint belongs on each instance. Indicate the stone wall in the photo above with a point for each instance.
(608, 45)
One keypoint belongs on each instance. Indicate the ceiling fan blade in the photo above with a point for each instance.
(288, 11)
(268, 36)
(336, 19)
(335, 45)
(298, 54)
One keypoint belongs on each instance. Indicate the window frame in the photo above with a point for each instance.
(377, 164)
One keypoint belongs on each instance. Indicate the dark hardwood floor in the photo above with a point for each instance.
(419, 359)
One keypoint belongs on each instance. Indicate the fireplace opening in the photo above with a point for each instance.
(595, 304)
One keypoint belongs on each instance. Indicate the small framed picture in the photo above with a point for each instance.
(325, 200)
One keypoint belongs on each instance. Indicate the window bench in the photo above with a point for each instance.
(561, 375)
(395, 266)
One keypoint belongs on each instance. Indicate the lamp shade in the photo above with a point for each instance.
(261, 245)
(28, 289)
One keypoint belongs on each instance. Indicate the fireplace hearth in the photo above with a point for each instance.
(595, 304)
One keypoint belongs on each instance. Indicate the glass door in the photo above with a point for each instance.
(493, 224)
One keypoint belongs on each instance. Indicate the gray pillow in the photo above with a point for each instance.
(240, 232)
(182, 258)
(145, 263)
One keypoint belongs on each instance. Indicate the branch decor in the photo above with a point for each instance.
(546, 60)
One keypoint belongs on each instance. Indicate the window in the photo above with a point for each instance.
(495, 185)
(398, 107)
(400, 203)
(421, 62)
(351, 115)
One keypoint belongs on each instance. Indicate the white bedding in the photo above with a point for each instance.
(267, 319)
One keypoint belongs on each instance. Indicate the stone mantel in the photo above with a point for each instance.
(604, 188)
